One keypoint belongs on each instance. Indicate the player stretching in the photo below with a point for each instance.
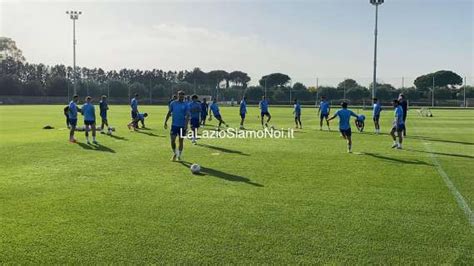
(323, 112)
(179, 109)
(214, 110)
(204, 111)
(377, 109)
(72, 114)
(404, 104)
(104, 106)
(263, 105)
(297, 113)
(88, 111)
(398, 126)
(243, 111)
(344, 115)
(360, 123)
(195, 109)
(134, 112)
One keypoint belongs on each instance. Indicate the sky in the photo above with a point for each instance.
(318, 41)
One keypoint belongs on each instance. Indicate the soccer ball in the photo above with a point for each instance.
(109, 131)
(195, 168)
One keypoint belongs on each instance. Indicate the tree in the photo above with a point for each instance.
(274, 80)
(357, 93)
(348, 84)
(441, 78)
(239, 78)
(8, 48)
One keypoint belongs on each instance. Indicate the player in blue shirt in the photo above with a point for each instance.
(88, 111)
(140, 118)
(134, 107)
(214, 110)
(243, 111)
(103, 107)
(263, 105)
(72, 115)
(323, 112)
(344, 115)
(204, 111)
(360, 123)
(195, 109)
(297, 113)
(402, 101)
(398, 125)
(377, 109)
(179, 111)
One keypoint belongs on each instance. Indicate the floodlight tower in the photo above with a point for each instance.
(376, 3)
(74, 15)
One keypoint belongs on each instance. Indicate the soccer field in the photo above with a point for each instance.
(259, 201)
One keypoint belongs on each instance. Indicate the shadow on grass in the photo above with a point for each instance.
(438, 140)
(445, 154)
(117, 137)
(205, 171)
(396, 160)
(151, 134)
(95, 147)
(222, 149)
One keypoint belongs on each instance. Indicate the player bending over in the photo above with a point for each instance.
(243, 111)
(195, 109)
(377, 109)
(297, 113)
(323, 112)
(179, 110)
(263, 105)
(360, 123)
(214, 110)
(104, 107)
(72, 114)
(88, 111)
(344, 115)
(398, 125)
(140, 118)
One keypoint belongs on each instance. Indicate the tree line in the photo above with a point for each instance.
(18, 77)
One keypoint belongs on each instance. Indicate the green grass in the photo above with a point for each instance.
(265, 201)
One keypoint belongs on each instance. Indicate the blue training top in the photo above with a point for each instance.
(195, 109)
(134, 104)
(88, 111)
(377, 109)
(324, 107)
(215, 109)
(263, 106)
(179, 110)
(72, 113)
(344, 118)
(398, 116)
(243, 107)
(297, 107)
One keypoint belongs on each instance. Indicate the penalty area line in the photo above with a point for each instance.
(452, 188)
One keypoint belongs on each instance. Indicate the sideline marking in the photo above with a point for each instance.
(459, 198)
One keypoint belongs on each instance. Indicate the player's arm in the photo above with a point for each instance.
(332, 117)
(166, 119)
(319, 109)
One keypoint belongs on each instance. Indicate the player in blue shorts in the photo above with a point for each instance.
(323, 112)
(103, 107)
(344, 115)
(243, 111)
(297, 113)
(377, 109)
(195, 109)
(204, 111)
(88, 111)
(134, 112)
(72, 114)
(214, 110)
(179, 110)
(360, 123)
(263, 105)
(398, 125)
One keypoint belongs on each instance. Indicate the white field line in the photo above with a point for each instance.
(459, 198)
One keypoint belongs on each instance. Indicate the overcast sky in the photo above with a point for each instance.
(329, 39)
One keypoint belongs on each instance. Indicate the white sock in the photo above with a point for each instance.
(179, 153)
(93, 138)
(176, 152)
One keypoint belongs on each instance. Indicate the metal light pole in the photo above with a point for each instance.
(465, 84)
(376, 3)
(265, 93)
(432, 93)
(74, 15)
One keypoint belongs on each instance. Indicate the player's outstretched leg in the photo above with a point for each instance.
(181, 147)
(173, 147)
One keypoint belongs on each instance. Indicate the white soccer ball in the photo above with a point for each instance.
(195, 168)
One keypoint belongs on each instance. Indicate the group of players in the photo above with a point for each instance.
(186, 111)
